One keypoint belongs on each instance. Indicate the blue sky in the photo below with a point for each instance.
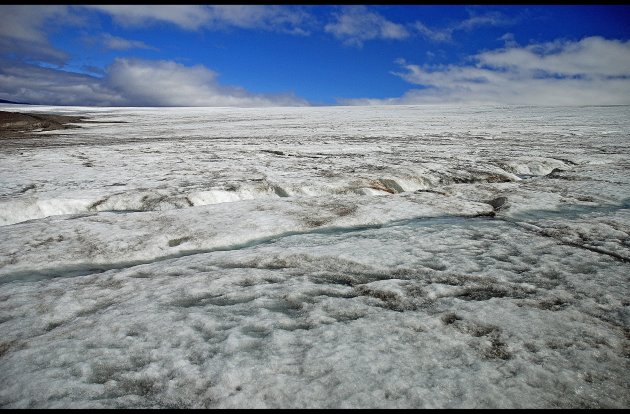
(262, 55)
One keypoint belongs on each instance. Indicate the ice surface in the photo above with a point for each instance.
(386, 257)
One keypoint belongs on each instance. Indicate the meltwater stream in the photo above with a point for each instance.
(82, 269)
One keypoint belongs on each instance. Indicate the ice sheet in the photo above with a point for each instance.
(369, 257)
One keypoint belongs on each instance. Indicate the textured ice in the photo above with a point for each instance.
(385, 257)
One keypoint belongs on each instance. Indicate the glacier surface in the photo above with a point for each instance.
(322, 257)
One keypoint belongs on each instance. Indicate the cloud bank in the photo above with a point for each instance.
(592, 71)
(130, 82)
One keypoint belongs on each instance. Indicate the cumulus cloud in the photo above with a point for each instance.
(167, 83)
(592, 71)
(356, 24)
(130, 82)
(194, 17)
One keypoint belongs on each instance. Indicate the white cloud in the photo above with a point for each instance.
(285, 19)
(130, 82)
(479, 20)
(473, 22)
(119, 43)
(356, 24)
(593, 71)
(443, 35)
(508, 40)
(353, 24)
(592, 56)
(190, 17)
(194, 17)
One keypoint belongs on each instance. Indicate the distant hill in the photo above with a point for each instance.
(11, 102)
